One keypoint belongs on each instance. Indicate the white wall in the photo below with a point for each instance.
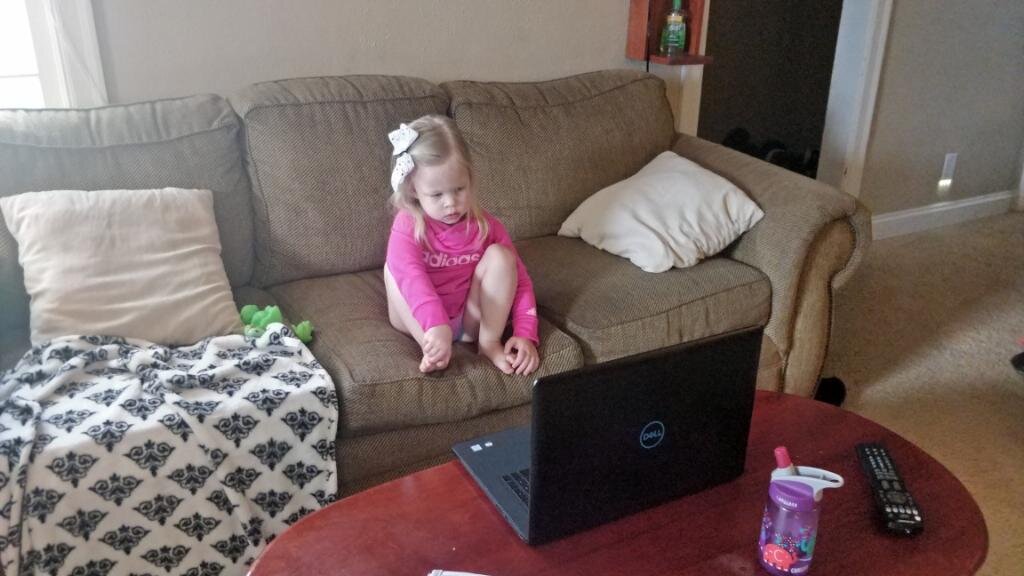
(952, 78)
(165, 48)
(952, 81)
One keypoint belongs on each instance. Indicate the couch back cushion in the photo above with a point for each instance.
(318, 154)
(188, 142)
(540, 148)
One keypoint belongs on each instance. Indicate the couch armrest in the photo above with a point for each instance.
(14, 342)
(812, 236)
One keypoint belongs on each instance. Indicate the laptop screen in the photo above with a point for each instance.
(614, 438)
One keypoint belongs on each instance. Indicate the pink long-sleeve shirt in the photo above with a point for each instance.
(435, 282)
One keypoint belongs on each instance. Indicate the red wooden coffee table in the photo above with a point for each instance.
(439, 518)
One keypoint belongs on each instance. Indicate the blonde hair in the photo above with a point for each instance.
(439, 140)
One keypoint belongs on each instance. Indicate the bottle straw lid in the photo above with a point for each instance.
(803, 490)
(783, 463)
(782, 459)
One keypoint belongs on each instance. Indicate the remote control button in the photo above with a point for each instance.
(896, 497)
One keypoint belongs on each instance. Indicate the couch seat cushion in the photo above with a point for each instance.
(376, 368)
(615, 309)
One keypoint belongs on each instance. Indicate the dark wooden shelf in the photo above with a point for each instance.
(646, 18)
(681, 60)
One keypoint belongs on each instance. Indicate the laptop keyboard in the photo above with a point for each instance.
(519, 482)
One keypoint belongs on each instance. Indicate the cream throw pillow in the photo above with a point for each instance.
(671, 213)
(133, 263)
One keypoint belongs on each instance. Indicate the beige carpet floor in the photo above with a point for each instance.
(923, 337)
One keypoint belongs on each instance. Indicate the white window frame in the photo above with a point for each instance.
(67, 53)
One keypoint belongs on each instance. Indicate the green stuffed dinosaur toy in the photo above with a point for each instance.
(256, 322)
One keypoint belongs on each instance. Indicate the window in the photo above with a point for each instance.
(49, 55)
(20, 86)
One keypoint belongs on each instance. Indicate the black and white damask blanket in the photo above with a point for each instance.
(124, 457)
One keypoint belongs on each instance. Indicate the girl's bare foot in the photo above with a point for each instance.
(496, 353)
(427, 366)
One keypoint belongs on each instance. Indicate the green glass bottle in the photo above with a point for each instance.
(673, 34)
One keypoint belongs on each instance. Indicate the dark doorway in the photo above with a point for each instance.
(766, 90)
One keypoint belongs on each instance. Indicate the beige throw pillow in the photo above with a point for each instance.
(672, 212)
(133, 263)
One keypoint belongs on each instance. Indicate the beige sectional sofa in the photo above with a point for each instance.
(299, 171)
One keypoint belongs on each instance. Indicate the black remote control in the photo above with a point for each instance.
(896, 507)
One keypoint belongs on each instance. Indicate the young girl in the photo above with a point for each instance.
(452, 273)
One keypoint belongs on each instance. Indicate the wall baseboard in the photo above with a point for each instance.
(941, 214)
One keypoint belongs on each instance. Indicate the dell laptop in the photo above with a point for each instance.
(611, 439)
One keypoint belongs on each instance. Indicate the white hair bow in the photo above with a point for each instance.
(401, 139)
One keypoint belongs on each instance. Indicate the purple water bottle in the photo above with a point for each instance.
(789, 527)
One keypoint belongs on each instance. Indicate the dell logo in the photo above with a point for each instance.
(652, 434)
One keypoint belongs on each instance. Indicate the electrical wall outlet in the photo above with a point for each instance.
(949, 166)
(946, 180)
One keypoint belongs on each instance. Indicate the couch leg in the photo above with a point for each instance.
(1018, 362)
(831, 391)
